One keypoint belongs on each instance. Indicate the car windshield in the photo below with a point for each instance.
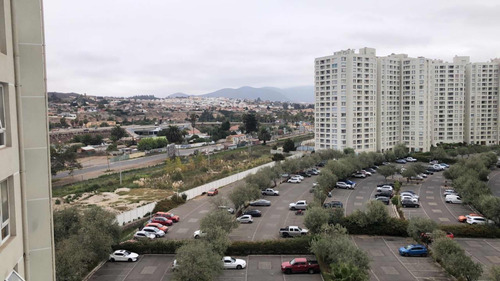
(292, 262)
(126, 253)
(408, 247)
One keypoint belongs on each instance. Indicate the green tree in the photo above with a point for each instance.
(218, 239)
(242, 194)
(386, 171)
(192, 119)
(173, 133)
(117, 133)
(197, 262)
(264, 134)
(438, 153)
(315, 218)
(409, 173)
(327, 180)
(63, 122)
(390, 156)
(400, 150)
(376, 213)
(250, 123)
(419, 225)
(218, 218)
(349, 151)
(63, 159)
(494, 274)
(225, 126)
(288, 146)
(347, 272)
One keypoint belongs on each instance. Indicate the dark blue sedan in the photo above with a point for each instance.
(413, 250)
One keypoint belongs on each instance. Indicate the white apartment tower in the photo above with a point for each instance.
(372, 103)
(26, 236)
(346, 86)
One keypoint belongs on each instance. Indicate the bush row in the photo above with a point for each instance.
(393, 227)
(474, 231)
(169, 203)
(299, 245)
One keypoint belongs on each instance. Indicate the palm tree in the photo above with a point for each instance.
(192, 118)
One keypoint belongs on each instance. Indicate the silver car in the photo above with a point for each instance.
(260, 202)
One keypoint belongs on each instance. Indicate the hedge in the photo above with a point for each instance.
(393, 227)
(299, 245)
(474, 231)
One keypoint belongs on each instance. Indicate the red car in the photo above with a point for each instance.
(160, 226)
(169, 216)
(162, 220)
(299, 265)
(213, 192)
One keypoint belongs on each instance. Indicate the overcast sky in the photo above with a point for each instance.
(160, 47)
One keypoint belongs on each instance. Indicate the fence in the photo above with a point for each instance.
(134, 214)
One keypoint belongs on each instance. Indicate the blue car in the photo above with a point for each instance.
(353, 184)
(413, 250)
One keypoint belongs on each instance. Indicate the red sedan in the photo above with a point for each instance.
(162, 220)
(213, 192)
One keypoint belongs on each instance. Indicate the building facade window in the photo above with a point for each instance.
(2, 117)
(4, 211)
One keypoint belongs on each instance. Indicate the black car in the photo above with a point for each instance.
(253, 213)
(383, 199)
(429, 172)
(409, 203)
(333, 204)
(370, 170)
(388, 194)
(304, 174)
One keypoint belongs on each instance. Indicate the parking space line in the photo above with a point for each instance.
(246, 268)
(371, 270)
(281, 258)
(486, 241)
(288, 214)
(347, 201)
(420, 196)
(136, 263)
(400, 261)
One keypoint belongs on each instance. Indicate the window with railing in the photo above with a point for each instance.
(4, 211)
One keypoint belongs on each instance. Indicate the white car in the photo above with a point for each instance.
(366, 173)
(299, 177)
(198, 234)
(384, 188)
(299, 205)
(245, 219)
(294, 180)
(144, 235)
(229, 209)
(410, 159)
(478, 220)
(423, 175)
(409, 194)
(123, 255)
(455, 199)
(232, 263)
(410, 198)
(153, 230)
(450, 192)
(341, 184)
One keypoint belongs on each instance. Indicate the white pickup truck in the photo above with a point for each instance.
(292, 231)
(271, 192)
(299, 205)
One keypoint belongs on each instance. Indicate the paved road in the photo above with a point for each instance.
(432, 203)
(494, 182)
(484, 251)
(387, 264)
(159, 268)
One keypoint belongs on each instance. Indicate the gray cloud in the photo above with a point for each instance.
(127, 47)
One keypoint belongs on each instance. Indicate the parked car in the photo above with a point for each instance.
(341, 184)
(410, 159)
(413, 250)
(464, 218)
(198, 234)
(299, 205)
(409, 203)
(449, 192)
(232, 263)
(300, 265)
(444, 165)
(409, 198)
(383, 199)
(154, 230)
(451, 198)
(160, 226)
(333, 204)
(305, 175)
(162, 220)
(478, 220)
(423, 175)
(359, 175)
(229, 209)
(245, 219)
(169, 216)
(417, 177)
(384, 188)
(405, 193)
(260, 202)
(270, 191)
(429, 172)
(143, 235)
(389, 194)
(292, 231)
(365, 172)
(294, 180)
(400, 161)
(298, 177)
(175, 265)
(123, 255)
(427, 237)
(313, 172)
(213, 192)
(409, 192)
(253, 213)
(353, 184)
(371, 170)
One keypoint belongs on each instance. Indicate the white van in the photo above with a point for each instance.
(451, 198)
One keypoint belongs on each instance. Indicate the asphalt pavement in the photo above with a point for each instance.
(484, 251)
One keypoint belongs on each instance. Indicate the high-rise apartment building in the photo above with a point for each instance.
(372, 103)
(26, 236)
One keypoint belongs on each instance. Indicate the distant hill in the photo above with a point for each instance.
(63, 97)
(178, 95)
(270, 94)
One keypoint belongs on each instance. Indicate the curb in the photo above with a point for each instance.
(86, 278)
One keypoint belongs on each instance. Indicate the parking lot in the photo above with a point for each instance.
(387, 264)
(432, 204)
(494, 182)
(484, 251)
(159, 268)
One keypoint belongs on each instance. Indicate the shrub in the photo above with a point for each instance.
(418, 225)
(168, 204)
(473, 231)
(298, 245)
(160, 246)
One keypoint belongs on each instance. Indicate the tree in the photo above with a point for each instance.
(173, 134)
(197, 262)
(349, 151)
(327, 180)
(315, 218)
(390, 156)
(387, 170)
(63, 159)
(192, 119)
(494, 274)
(264, 134)
(419, 225)
(347, 272)
(242, 194)
(409, 173)
(218, 218)
(218, 239)
(400, 150)
(438, 153)
(117, 133)
(376, 213)
(225, 126)
(63, 122)
(288, 146)
(250, 123)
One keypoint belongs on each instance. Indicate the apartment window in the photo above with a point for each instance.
(2, 117)
(4, 211)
